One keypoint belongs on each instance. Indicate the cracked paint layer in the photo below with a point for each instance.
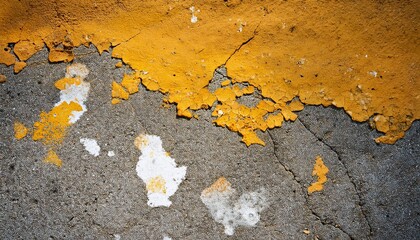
(157, 170)
(232, 211)
(20, 130)
(320, 170)
(330, 54)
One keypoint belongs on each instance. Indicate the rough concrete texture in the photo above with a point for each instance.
(371, 193)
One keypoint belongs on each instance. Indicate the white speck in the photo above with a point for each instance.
(157, 170)
(75, 93)
(220, 112)
(373, 73)
(91, 146)
(194, 18)
(111, 153)
(301, 61)
(167, 238)
(117, 236)
(366, 56)
(230, 211)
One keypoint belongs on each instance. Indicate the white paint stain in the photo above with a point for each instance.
(76, 93)
(226, 208)
(111, 153)
(194, 18)
(157, 170)
(91, 146)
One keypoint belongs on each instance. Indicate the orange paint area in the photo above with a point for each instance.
(220, 186)
(20, 130)
(3, 78)
(351, 55)
(156, 185)
(320, 170)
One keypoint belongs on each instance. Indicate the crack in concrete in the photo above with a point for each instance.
(360, 198)
(304, 194)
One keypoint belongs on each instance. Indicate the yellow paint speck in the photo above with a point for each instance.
(320, 170)
(20, 130)
(3, 78)
(53, 158)
(64, 82)
(156, 185)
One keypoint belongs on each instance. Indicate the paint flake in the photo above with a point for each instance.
(111, 153)
(91, 145)
(157, 170)
(20, 130)
(320, 170)
(226, 208)
(3, 78)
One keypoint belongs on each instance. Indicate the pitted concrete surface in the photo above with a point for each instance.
(371, 193)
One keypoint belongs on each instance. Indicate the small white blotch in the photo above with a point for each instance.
(226, 208)
(157, 170)
(220, 112)
(167, 238)
(91, 146)
(373, 73)
(117, 236)
(194, 18)
(111, 153)
(301, 61)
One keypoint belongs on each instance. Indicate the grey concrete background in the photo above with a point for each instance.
(372, 190)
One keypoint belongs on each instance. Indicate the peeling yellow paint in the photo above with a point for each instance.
(131, 82)
(19, 66)
(20, 130)
(64, 82)
(156, 185)
(53, 158)
(118, 91)
(118, 64)
(263, 44)
(320, 170)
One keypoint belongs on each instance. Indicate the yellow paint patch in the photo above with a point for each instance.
(20, 130)
(51, 128)
(118, 91)
(131, 82)
(53, 158)
(19, 66)
(156, 185)
(283, 55)
(320, 170)
(221, 185)
(65, 82)
(3, 78)
(118, 64)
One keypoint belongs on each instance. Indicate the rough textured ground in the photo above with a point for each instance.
(371, 192)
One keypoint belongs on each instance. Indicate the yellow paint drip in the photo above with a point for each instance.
(320, 170)
(283, 55)
(51, 128)
(53, 158)
(20, 130)
(156, 185)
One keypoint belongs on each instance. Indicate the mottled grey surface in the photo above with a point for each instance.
(372, 191)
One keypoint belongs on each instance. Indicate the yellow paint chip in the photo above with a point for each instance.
(3, 78)
(20, 130)
(58, 55)
(119, 64)
(64, 82)
(19, 66)
(118, 91)
(25, 49)
(115, 101)
(6, 57)
(221, 185)
(225, 83)
(131, 82)
(53, 158)
(156, 184)
(320, 170)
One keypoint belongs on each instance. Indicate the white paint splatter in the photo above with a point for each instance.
(77, 93)
(111, 153)
(157, 170)
(91, 146)
(167, 238)
(194, 18)
(231, 211)
(373, 73)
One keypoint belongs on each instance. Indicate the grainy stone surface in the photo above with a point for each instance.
(371, 192)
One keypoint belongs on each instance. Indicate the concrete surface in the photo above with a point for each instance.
(372, 190)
